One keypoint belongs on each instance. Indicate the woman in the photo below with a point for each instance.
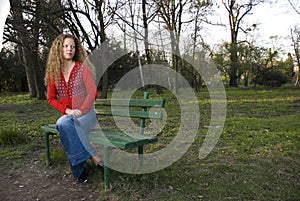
(68, 78)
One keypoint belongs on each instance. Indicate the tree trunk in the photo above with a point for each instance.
(233, 78)
(174, 58)
(29, 47)
(99, 4)
(146, 38)
(23, 39)
(234, 65)
(29, 70)
(37, 72)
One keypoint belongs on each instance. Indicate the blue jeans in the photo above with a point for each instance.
(73, 136)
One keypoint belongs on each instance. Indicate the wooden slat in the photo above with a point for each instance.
(131, 113)
(117, 139)
(131, 103)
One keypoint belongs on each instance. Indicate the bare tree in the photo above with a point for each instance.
(178, 16)
(148, 16)
(33, 25)
(128, 14)
(295, 5)
(100, 8)
(202, 8)
(295, 35)
(171, 13)
(25, 22)
(237, 11)
(74, 14)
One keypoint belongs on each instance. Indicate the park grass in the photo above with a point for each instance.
(256, 158)
(21, 117)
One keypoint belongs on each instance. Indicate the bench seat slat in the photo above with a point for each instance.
(111, 142)
(132, 103)
(131, 113)
(118, 141)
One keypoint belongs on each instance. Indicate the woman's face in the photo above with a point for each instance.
(68, 49)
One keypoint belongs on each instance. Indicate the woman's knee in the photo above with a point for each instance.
(64, 121)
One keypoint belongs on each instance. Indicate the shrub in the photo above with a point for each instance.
(11, 135)
(274, 78)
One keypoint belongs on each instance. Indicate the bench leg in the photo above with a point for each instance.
(47, 149)
(106, 168)
(141, 152)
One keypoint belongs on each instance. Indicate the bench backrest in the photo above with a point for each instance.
(133, 108)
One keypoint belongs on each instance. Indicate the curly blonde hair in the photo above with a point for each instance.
(55, 60)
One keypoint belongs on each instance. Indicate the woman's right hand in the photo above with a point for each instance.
(75, 113)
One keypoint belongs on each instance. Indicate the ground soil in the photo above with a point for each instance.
(28, 178)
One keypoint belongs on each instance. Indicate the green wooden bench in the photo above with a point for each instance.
(112, 138)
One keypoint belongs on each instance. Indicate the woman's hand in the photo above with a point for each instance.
(75, 113)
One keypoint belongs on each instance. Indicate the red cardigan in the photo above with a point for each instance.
(79, 93)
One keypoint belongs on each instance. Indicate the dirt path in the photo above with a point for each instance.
(31, 180)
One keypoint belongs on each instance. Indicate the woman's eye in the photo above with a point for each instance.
(67, 46)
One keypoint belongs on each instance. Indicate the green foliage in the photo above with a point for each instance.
(11, 135)
(12, 72)
(21, 117)
(274, 78)
(256, 65)
(58, 156)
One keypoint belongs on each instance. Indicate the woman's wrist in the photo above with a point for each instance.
(67, 111)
